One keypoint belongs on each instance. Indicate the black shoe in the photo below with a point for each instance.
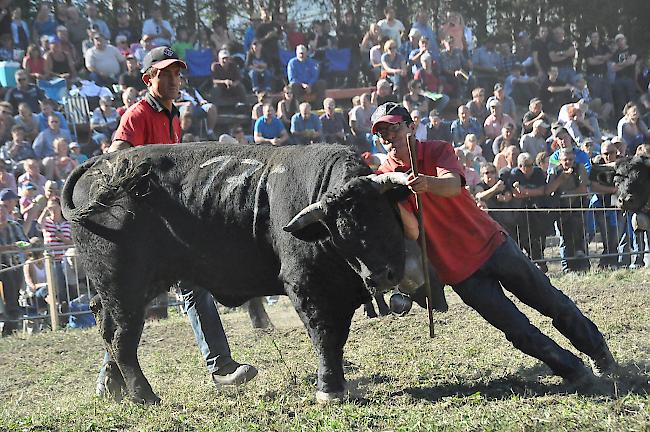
(604, 363)
(234, 374)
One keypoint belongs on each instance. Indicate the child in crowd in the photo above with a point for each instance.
(75, 153)
(27, 199)
(466, 160)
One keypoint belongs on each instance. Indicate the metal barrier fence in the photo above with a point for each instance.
(574, 232)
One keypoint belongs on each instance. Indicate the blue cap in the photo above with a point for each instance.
(7, 194)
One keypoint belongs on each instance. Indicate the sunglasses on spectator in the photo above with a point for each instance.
(390, 130)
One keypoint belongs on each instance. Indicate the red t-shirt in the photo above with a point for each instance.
(148, 122)
(460, 236)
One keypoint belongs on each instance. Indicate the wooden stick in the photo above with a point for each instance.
(422, 236)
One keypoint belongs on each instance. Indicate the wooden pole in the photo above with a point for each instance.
(422, 236)
(52, 290)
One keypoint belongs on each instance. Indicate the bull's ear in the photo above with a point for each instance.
(308, 224)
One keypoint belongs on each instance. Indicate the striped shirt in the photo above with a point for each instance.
(50, 229)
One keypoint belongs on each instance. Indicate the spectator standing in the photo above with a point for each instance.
(10, 232)
(439, 129)
(124, 28)
(226, 78)
(24, 92)
(466, 124)
(534, 113)
(540, 52)
(303, 75)
(268, 33)
(349, 37)
(269, 129)
(455, 67)
(306, 127)
(625, 61)
(19, 30)
(561, 54)
(454, 31)
(220, 37)
(333, 123)
(360, 123)
(372, 38)
(391, 27)
(426, 32)
(486, 64)
(104, 61)
(77, 27)
(94, 20)
(161, 30)
(494, 193)
(597, 56)
(44, 23)
(534, 142)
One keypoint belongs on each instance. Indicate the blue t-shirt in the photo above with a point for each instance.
(299, 124)
(581, 158)
(269, 130)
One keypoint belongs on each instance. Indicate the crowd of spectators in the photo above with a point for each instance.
(527, 116)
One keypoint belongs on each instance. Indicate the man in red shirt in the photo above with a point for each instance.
(154, 120)
(473, 254)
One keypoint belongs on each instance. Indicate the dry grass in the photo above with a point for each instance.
(467, 378)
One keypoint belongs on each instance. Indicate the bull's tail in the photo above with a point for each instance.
(113, 177)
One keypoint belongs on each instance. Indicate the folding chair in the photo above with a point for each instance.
(78, 115)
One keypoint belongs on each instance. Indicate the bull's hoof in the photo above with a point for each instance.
(145, 399)
(324, 398)
(264, 324)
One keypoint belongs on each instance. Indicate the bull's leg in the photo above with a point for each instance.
(328, 325)
(369, 309)
(259, 318)
(381, 304)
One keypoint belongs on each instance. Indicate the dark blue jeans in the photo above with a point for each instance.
(509, 268)
(206, 325)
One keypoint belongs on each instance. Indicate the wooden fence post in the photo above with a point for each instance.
(52, 290)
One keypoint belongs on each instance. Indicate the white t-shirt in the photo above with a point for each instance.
(106, 61)
(392, 31)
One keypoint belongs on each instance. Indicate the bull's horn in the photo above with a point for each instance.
(388, 181)
(310, 214)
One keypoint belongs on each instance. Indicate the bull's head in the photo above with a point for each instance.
(363, 224)
(632, 178)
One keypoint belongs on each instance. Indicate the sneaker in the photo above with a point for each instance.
(234, 374)
(603, 364)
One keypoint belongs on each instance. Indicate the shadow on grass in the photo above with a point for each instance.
(632, 378)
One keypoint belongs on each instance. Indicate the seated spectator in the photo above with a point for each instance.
(390, 26)
(371, 39)
(506, 158)
(528, 190)
(34, 63)
(132, 77)
(487, 63)
(7, 179)
(588, 147)
(104, 61)
(24, 92)
(5, 130)
(226, 78)
(411, 44)
(302, 73)
(220, 37)
(104, 120)
(28, 200)
(563, 140)
(383, 94)
(58, 64)
(95, 20)
(348, 33)
(569, 177)
(375, 54)
(415, 56)
(239, 135)
(122, 45)
(187, 127)
(533, 114)
(414, 100)
(466, 124)
(44, 23)
(19, 30)
(258, 70)
(258, 109)
(554, 92)
(124, 28)
(129, 97)
(32, 175)
(63, 36)
(334, 124)
(76, 25)
(306, 127)
(393, 66)
(508, 105)
(631, 129)
(319, 41)
(47, 109)
(17, 150)
(420, 128)
(586, 119)
(472, 177)
(191, 100)
(477, 106)
(269, 129)
(361, 123)
(28, 120)
(433, 87)
(287, 106)
(519, 86)
(75, 153)
(63, 163)
(495, 193)
(146, 45)
(161, 30)
(599, 110)
(578, 127)
(496, 120)
(44, 143)
(534, 142)
(438, 129)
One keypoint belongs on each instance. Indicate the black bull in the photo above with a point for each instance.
(309, 222)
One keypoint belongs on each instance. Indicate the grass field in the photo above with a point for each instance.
(467, 378)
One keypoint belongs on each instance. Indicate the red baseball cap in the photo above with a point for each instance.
(390, 112)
